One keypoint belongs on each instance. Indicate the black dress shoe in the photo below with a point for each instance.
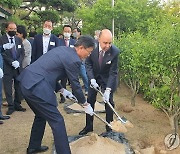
(10, 111)
(1, 122)
(4, 117)
(20, 109)
(108, 129)
(62, 99)
(37, 150)
(85, 131)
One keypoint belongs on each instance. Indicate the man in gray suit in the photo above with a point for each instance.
(39, 91)
(13, 54)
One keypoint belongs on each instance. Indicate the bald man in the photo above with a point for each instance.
(102, 71)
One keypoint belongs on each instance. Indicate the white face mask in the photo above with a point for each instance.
(46, 31)
(67, 35)
(75, 34)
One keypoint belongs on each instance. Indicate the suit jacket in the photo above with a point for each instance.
(37, 48)
(28, 50)
(106, 75)
(1, 59)
(43, 75)
(1, 66)
(8, 57)
(71, 42)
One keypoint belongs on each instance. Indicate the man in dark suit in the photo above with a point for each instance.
(44, 42)
(32, 34)
(69, 42)
(13, 54)
(2, 117)
(39, 91)
(102, 70)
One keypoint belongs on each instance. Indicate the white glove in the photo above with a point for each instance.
(68, 94)
(8, 46)
(88, 109)
(94, 84)
(106, 95)
(1, 73)
(15, 64)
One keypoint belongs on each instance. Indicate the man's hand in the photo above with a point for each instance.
(88, 109)
(15, 64)
(94, 84)
(8, 46)
(106, 95)
(1, 73)
(68, 95)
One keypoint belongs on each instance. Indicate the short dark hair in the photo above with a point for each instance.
(32, 33)
(78, 30)
(86, 41)
(67, 26)
(22, 30)
(48, 21)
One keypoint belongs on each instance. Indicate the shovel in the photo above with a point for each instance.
(118, 127)
(122, 119)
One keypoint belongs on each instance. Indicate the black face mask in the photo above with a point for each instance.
(12, 33)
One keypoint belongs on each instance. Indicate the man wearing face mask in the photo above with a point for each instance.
(76, 33)
(44, 42)
(69, 42)
(13, 54)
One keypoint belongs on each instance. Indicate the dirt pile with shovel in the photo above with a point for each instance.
(97, 145)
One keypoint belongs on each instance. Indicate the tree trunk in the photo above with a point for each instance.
(133, 101)
(174, 122)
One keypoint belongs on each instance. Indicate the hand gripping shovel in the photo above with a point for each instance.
(122, 119)
(115, 125)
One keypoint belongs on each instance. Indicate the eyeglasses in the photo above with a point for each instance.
(88, 51)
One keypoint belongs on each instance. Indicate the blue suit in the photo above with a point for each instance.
(1, 66)
(37, 48)
(106, 76)
(64, 80)
(38, 83)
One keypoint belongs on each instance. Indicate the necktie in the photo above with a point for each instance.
(11, 40)
(66, 43)
(13, 50)
(101, 57)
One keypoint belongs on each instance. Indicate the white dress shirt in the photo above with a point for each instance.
(9, 38)
(46, 39)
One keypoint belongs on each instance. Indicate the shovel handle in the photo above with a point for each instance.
(75, 101)
(122, 120)
(102, 120)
